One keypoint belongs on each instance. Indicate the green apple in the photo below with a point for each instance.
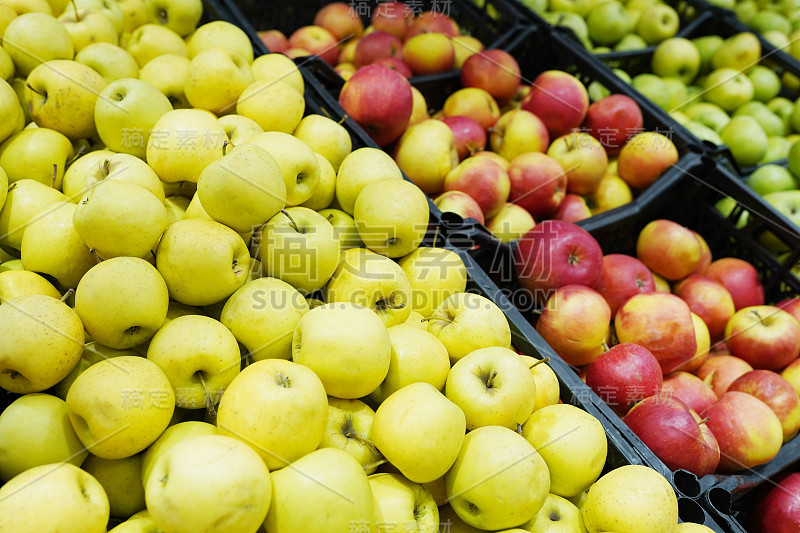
(220, 33)
(740, 52)
(262, 315)
(348, 426)
(360, 167)
(764, 21)
(771, 178)
(151, 40)
(39, 154)
(630, 41)
(135, 13)
(344, 227)
(771, 123)
(278, 66)
(9, 111)
(706, 46)
(277, 407)
(325, 191)
(122, 481)
(744, 9)
(608, 22)
(181, 16)
(326, 137)
(180, 499)
(597, 91)
(746, 140)
(93, 352)
(708, 114)
(141, 522)
(766, 83)
(652, 87)
(19, 283)
(54, 497)
(168, 74)
(702, 132)
(677, 96)
(777, 39)
(579, 7)
(557, 515)
(786, 203)
(782, 107)
(793, 160)
(108, 60)
(777, 149)
(728, 88)
(404, 505)
(273, 104)
(34, 38)
(658, 22)
(239, 129)
(419, 431)
(13, 264)
(299, 166)
(87, 26)
(571, 20)
(676, 58)
(35, 430)
(215, 80)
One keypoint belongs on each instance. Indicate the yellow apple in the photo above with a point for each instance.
(326, 137)
(122, 481)
(33, 38)
(273, 104)
(18, 283)
(38, 154)
(548, 388)
(404, 506)
(299, 166)
(239, 129)
(151, 40)
(348, 426)
(93, 352)
(219, 33)
(109, 60)
(359, 168)
(435, 274)
(278, 66)
(215, 80)
(171, 436)
(168, 74)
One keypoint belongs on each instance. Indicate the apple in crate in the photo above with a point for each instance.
(375, 46)
(341, 20)
(710, 300)
(645, 157)
(274, 40)
(460, 203)
(720, 371)
(517, 132)
(777, 393)
(474, 103)
(623, 276)
(469, 136)
(690, 389)
(741, 280)
(779, 511)
(393, 17)
(624, 375)
(583, 158)
(559, 99)
(510, 223)
(538, 183)
(668, 249)
(496, 71)
(317, 41)
(432, 22)
(484, 180)
(764, 336)
(612, 120)
(429, 53)
(573, 209)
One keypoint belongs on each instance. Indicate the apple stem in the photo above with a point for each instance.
(209, 406)
(435, 237)
(519, 428)
(106, 167)
(291, 220)
(540, 361)
(329, 217)
(428, 319)
(55, 176)
(703, 421)
(605, 347)
(376, 464)
(12, 187)
(75, 8)
(491, 379)
(536, 311)
(495, 131)
(361, 440)
(225, 146)
(29, 86)
(94, 253)
(81, 150)
(344, 117)
(67, 295)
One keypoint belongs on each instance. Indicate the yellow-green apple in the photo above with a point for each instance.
(360, 167)
(607, 23)
(111, 10)
(375, 46)
(215, 80)
(465, 322)
(645, 157)
(435, 274)
(22, 40)
(484, 180)
(493, 387)
(403, 504)
(182, 16)
(464, 47)
(391, 216)
(741, 52)
(710, 300)
(613, 120)
(354, 363)
(573, 209)
(720, 371)
(510, 223)
(168, 73)
(660, 322)
(118, 218)
(261, 98)
(668, 249)
(171, 436)
(278, 66)
(348, 425)
(777, 393)
(496, 71)
(202, 261)
(492, 490)
(559, 99)
(538, 183)
(729, 89)
(557, 515)
(624, 375)
(183, 142)
(748, 431)
(517, 132)
(298, 164)
(468, 135)
(690, 389)
(341, 20)
(135, 13)
(36, 430)
(583, 159)
(384, 118)
(141, 522)
(392, 17)
(623, 276)
(611, 192)
(122, 481)
(18, 283)
(419, 431)
(326, 137)
(344, 228)
(277, 407)
(139, 403)
(86, 26)
(657, 23)
(427, 153)
(239, 129)
(220, 33)
(43, 340)
(575, 322)
(316, 40)
(765, 336)
(106, 165)
(54, 497)
(50, 245)
(460, 203)
(26, 200)
(308, 496)
(557, 253)
(548, 388)
(11, 110)
(740, 278)
(39, 154)
(428, 53)
(474, 103)
(109, 60)
(239, 499)
(93, 352)
(432, 21)
(149, 41)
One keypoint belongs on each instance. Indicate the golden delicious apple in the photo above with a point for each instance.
(26, 200)
(243, 189)
(39, 154)
(419, 431)
(7, 14)
(239, 129)
(93, 352)
(278, 407)
(280, 67)
(42, 340)
(87, 26)
(349, 422)
(326, 189)
(109, 60)
(54, 497)
(122, 167)
(404, 506)
(326, 490)
(18, 283)
(183, 142)
(326, 137)
(219, 33)
(273, 104)
(426, 152)
(548, 388)
(465, 322)
(168, 74)
(135, 13)
(122, 481)
(151, 40)
(9, 110)
(109, 8)
(344, 227)
(202, 261)
(35, 430)
(181, 16)
(171, 436)
(262, 315)
(630, 499)
(74, 183)
(435, 274)
(346, 345)
(374, 281)
(216, 79)
(360, 167)
(498, 480)
(122, 302)
(3, 187)
(493, 387)
(33, 38)
(141, 522)
(557, 515)
(416, 320)
(176, 208)
(50, 245)
(137, 403)
(181, 499)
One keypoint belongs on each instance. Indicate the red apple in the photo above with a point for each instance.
(575, 322)
(791, 306)
(748, 432)
(510, 223)
(764, 336)
(573, 209)
(690, 389)
(741, 280)
(779, 511)
(583, 158)
(623, 276)
(317, 41)
(377, 45)
(705, 254)
(554, 254)
(474, 103)
(517, 132)
(660, 322)
(393, 17)
(432, 22)
(395, 64)
(496, 71)
(429, 53)
(719, 371)
(777, 393)
(379, 100)
(668, 249)
(484, 180)
(460, 203)
(470, 137)
(613, 120)
(274, 40)
(341, 19)
(645, 157)
(497, 158)
(624, 375)
(538, 183)
(559, 99)
(674, 432)
(710, 300)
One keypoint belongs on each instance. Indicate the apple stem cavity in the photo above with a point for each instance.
(106, 167)
(540, 361)
(12, 187)
(67, 295)
(29, 86)
(209, 405)
(291, 220)
(283, 380)
(383, 304)
(491, 379)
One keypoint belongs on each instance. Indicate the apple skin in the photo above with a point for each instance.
(623, 276)
(645, 157)
(274, 40)
(584, 160)
(613, 120)
(710, 300)
(779, 510)
(741, 280)
(341, 20)
(777, 393)
(791, 306)
(484, 180)
(675, 434)
(538, 183)
(392, 17)
(317, 41)
(792, 374)
(460, 203)
(429, 53)
(433, 22)
(764, 336)
(554, 254)
(748, 432)
(690, 389)
(395, 64)
(720, 371)
(705, 254)
(377, 45)
(624, 375)
(380, 100)
(510, 223)
(469, 136)
(573, 209)
(559, 99)
(474, 103)
(660, 322)
(668, 249)
(495, 71)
